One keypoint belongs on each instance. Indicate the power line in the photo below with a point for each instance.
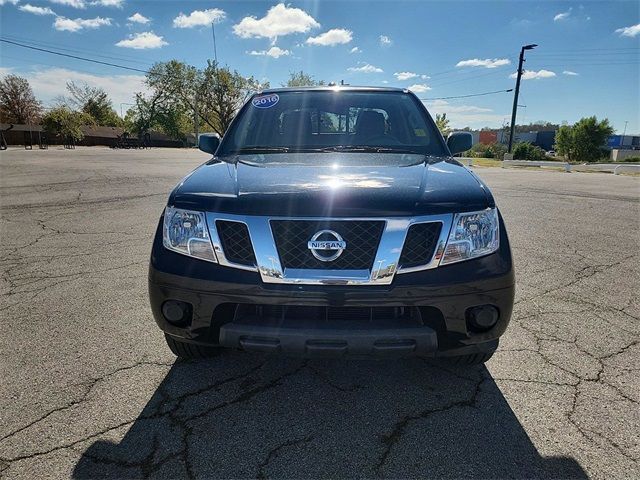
(470, 95)
(76, 50)
(115, 65)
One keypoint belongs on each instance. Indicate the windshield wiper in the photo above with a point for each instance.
(367, 148)
(262, 149)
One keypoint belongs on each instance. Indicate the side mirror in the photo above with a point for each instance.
(209, 142)
(459, 142)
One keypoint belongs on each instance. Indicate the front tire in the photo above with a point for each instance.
(470, 359)
(190, 351)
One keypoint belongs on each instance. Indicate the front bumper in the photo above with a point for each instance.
(442, 296)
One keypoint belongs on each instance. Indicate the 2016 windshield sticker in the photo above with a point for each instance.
(265, 101)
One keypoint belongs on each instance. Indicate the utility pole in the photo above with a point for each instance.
(624, 133)
(515, 95)
(215, 51)
(196, 120)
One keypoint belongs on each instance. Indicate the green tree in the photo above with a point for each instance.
(178, 94)
(18, 104)
(442, 122)
(564, 142)
(93, 101)
(66, 123)
(527, 151)
(301, 79)
(221, 93)
(480, 150)
(585, 140)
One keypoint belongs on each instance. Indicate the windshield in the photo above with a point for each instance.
(350, 121)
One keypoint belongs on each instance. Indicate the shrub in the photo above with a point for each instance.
(66, 123)
(480, 150)
(635, 159)
(584, 141)
(527, 151)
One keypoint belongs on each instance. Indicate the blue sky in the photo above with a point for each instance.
(587, 61)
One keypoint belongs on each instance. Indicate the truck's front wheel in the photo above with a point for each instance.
(471, 359)
(190, 350)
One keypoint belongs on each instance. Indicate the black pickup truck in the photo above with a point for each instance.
(333, 221)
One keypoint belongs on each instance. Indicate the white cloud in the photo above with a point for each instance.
(366, 68)
(142, 41)
(335, 36)
(355, 50)
(486, 63)
(36, 10)
(275, 52)
(631, 31)
(562, 16)
(199, 18)
(280, 20)
(533, 75)
(384, 40)
(68, 25)
(51, 83)
(405, 75)
(71, 3)
(6, 2)
(419, 88)
(139, 18)
(108, 3)
(465, 115)
(570, 73)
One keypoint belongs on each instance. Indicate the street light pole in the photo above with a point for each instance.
(624, 133)
(517, 91)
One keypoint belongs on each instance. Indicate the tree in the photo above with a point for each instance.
(221, 93)
(564, 142)
(442, 122)
(584, 141)
(301, 79)
(179, 94)
(93, 101)
(67, 123)
(528, 151)
(18, 104)
(480, 150)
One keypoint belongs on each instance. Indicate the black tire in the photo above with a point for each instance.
(470, 359)
(190, 350)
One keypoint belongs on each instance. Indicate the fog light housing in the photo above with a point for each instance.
(482, 318)
(176, 312)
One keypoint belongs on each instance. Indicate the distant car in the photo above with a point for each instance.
(551, 153)
(333, 221)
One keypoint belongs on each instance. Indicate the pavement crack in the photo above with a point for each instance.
(276, 450)
(89, 386)
(389, 440)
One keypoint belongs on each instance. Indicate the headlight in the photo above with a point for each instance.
(472, 235)
(185, 231)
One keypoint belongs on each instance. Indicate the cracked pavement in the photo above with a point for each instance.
(90, 390)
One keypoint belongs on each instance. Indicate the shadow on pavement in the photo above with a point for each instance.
(246, 416)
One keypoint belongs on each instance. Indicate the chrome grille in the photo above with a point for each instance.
(362, 238)
(236, 242)
(420, 244)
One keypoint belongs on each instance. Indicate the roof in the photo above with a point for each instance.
(332, 88)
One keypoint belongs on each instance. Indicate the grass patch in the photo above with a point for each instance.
(486, 162)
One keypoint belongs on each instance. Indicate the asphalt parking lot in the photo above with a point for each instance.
(89, 389)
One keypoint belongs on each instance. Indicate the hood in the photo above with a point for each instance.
(344, 185)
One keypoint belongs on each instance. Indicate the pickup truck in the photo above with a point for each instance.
(333, 221)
